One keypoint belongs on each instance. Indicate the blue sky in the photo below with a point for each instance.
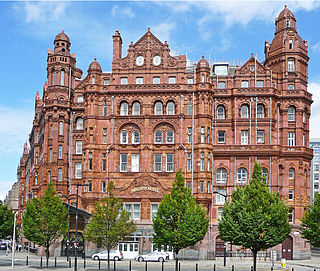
(225, 30)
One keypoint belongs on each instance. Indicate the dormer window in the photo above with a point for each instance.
(288, 23)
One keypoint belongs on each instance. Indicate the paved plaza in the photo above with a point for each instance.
(185, 265)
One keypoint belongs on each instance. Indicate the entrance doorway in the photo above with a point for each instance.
(219, 247)
(287, 248)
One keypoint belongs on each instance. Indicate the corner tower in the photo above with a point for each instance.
(287, 55)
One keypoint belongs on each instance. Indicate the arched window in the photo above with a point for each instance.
(265, 173)
(62, 77)
(79, 124)
(170, 108)
(260, 111)
(242, 175)
(136, 108)
(291, 113)
(135, 137)
(221, 112)
(60, 151)
(291, 173)
(158, 137)
(93, 80)
(49, 176)
(124, 137)
(170, 137)
(60, 127)
(158, 108)
(290, 44)
(60, 174)
(291, 65)
(244, 112)
(124, 109)
(221, 175)
(53, 77)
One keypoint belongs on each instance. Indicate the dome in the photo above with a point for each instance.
(95, 66)
(62, 36)
(203, 63)
(286, 13)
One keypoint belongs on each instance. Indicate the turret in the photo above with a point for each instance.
(203, 71)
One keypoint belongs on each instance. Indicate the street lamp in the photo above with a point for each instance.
(68, 236)
(76, 237)
(225, 243)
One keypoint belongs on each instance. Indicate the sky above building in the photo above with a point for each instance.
(219, 30)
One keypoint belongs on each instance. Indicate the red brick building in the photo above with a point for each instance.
(152, 115)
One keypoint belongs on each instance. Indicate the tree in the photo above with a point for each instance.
(45, 220)
(109, 222)
(256, 218)
(6, 221)
(311, 223)
(180, 222)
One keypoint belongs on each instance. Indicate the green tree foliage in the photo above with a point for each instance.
(109, 223)
(311, 223)
(45, 220)
(256, 218)
(6, 221)
(180, 222)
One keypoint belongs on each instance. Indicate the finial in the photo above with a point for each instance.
(148, 29)
(95, 59)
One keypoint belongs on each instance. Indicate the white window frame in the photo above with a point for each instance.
(61, 128)
(220, 133)
(78, 170)
(59, 174)
(124, 81)
(156, 80)
(157, 164)
(78, 147)
(170, 137)
(221, 112)
(124, 137)
(221, 175)
(136, 109)
(152, 209)
(291, 139)
(244, 111)
(244, 137)
(158, 137)
(135, 137)
(221, 85)
(139, 80)
(158, 108)
(220, 200)
(291, 65)
(169, 165)
(291, 173)
(260, 111)
(244, 83)
(170, 108)
(242, 175)
(202, 135)
(123, 162)
(172, 80)
(291, 113)
(291, 194)
(260, 136)
(124, 109)
(79, 124)
(135, 162)
(60, 152)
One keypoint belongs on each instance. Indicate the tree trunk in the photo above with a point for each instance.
(47, 254)
(177, 261)
(254, 260)
(108, 259)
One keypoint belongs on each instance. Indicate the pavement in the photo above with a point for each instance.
(185, 265)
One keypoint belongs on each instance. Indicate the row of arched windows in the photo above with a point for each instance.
(242, 175)
(159, 137)
(158, 108)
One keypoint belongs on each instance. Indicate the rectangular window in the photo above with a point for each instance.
(135, 162)
(60, 152)
(60, 174)
(189, 107)
(260, 136)
(139, 80)
(106, 82)
(244, 137)
(124, 162)
(209, 187)
(172, 80)
(51, 130)
(190, 81)
(189, 161)
(104, 161)
(136, 211)
(304, 117)
(189, 135)
(104, 136)
(50, 155)
(103, 188)
(201, 186)
(291, 87)
(259, 84)
(316, 186)
(79, 99)
(209, 161)
(220, 210)
(154, 209)
(104, 108)
(78, 147)
(60, 128)
(291, 139)
(189, 184)
(316, 167)
(221, 85)
(291, 194)
(291, 216)
(221, 70)
(244, 84)
(316, 176)
(221, 136)
(202, 161)
(208, 135)
(158, 162)
(156, 80)
(169, 162)
(78, 170)
(90, 186)
(219, 198)
(202, 138)
(90, 161)
(303, 140)
(124, 81)
(291, 66)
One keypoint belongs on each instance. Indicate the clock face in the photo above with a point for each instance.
(139, 60)
(156, 60)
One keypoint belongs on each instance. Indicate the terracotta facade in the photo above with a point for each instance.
(153, 115)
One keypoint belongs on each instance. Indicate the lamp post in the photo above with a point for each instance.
(76, 236)
(68, 236)
(225, 243)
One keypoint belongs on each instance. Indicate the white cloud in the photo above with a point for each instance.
(43, 11)
(314, 88)
(163, 30)
(122, 11)
(16, 125)
(316, 47)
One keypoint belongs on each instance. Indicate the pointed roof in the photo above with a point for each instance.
(248, 67)
(37, 96)
(286, 13)
(25, 148)
(62, 37)
(148, 40)
(94, 66)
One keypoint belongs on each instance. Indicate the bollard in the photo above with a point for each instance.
(41, 262)
(214, 267)
(292, 269)
(232, 267)
(129, 265)
(251, 268)
(27, 261)
(146, 268)
(162, 266)
(271, 268)
(99, 264)
(114, 265)
(179, 266)
(69, 262)
(196, 266)
(84, 263)
(55, 261)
